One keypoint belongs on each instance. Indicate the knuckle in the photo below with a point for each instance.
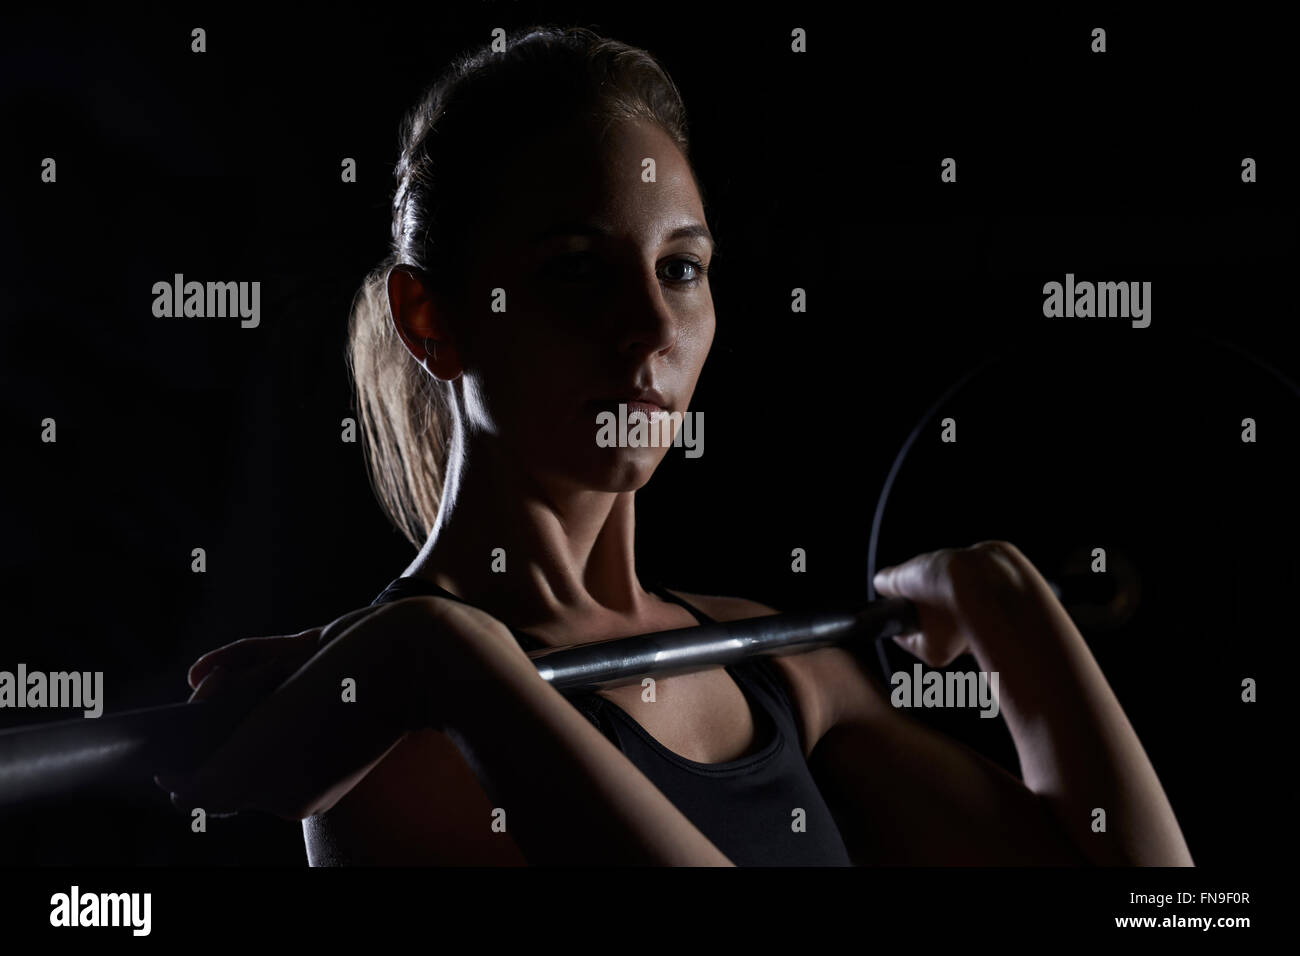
(968, 566)
(998, 548)
(984, 566)
(932, 570)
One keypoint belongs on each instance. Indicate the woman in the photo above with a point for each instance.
(537, 278)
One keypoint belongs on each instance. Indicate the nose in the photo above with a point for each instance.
(645, 322)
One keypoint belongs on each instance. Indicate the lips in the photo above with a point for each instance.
(638, 399)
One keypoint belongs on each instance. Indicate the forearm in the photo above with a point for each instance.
(1077, 748)
(569, 795)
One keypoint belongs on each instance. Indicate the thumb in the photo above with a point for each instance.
(924, 581)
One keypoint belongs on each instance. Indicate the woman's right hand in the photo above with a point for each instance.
(307, 742)
(255, 666)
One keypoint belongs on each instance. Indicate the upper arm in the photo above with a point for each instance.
(903, 793)
(421, 805)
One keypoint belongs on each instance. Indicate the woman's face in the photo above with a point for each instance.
(605, 297)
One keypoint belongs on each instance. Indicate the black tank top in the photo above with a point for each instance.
(747, 806)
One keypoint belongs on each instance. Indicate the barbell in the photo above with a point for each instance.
(949, 483)
(41, 761)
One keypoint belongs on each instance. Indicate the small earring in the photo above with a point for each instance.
(431, 351)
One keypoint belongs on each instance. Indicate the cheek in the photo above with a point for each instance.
(524, 369)
(710, 329)
(694, 343)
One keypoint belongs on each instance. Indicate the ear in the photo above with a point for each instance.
(420, 319)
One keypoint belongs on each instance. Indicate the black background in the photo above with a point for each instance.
(820, 171)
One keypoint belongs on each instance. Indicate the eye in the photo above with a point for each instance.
(684, 271)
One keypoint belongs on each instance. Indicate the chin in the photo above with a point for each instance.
(620, 469)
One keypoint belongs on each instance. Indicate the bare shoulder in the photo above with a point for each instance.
(825, 686)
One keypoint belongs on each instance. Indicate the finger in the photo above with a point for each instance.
(924, 581)
(913, 643)
(918, 579)
(214, 682)
(242, 653)
(249, 652)
(254, 682)
(932, 652)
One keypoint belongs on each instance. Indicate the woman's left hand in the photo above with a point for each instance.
(965, 597)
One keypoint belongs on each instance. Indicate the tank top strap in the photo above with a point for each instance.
(589, 705)
(759, 669)
(756, 669)
(655, 587)
(412, 586)
(416, 586)
(764, 784)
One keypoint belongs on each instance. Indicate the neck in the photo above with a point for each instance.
(567, 550)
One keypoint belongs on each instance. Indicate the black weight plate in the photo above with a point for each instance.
(1133, 444)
